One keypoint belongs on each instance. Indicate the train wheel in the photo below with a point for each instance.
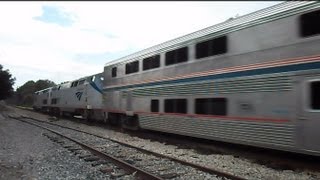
(61, 114)
(105, 118)
(87, 115)
(57, 112)
(114, 119)
(130, 122)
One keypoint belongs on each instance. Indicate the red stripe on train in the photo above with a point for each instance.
(234, 118)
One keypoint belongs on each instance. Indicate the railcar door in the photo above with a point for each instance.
(309, 116)
(129, 101)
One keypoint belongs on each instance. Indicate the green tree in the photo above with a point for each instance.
(6, 83)
(42, 84)
(25, 92)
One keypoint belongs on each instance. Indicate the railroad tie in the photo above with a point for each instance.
(84, 155)
(92, 158)
(119, 174)
(67, 146)
(100, 162)
(73, 149)
(169, 175)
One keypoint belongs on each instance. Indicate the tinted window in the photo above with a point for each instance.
(54, 101)
(309, 24)
(151, 62)
(74, 84)
(132, 67)
(114, 72)
(211, 47)
(211, 106)
(93, 78)
(154, 105)
(175, 106)
(81, 82)
(177, 56)
(315, 95)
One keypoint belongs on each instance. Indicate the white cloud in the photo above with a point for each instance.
(34, 49)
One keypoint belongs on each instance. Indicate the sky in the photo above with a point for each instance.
(62, 41)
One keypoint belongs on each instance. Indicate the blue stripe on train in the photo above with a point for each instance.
(96, 87)
(295, 67)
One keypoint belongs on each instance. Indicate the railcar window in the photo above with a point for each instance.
(151, 62)
(44, 101)
(74, 84)
(132, 67)
(54, 101)
(211, 106)
(114, 72)
(81, 82)
(154, 105)
(177, 56)
(309, 24)
(315, 95)
(211, 47)
(175, 105)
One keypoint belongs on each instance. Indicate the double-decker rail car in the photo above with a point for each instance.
(79, 97)
(252, 80)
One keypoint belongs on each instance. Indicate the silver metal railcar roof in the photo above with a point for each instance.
(258, 17)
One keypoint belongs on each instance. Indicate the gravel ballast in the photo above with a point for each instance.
(228, 163)
(26, 154)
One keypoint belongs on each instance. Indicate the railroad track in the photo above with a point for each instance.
(135, 161)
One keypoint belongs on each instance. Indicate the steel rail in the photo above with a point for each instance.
(197, 166)
(128, 167)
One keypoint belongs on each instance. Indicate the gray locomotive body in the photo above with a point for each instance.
(79, 97)
(253, 80)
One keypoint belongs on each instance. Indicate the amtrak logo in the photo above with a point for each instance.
(79, 94)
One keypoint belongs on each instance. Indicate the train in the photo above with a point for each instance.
(80, 97)
(252, 80)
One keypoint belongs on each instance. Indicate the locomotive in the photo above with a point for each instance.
(252, 80)
(82, 97)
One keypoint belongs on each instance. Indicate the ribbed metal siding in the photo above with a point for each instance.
(233, 130)
(255, 18)
(261, 84)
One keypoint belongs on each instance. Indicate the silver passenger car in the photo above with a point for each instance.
(252, 80)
